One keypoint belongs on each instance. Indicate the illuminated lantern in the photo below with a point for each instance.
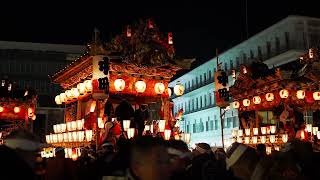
(130, 133)
(70, 137)
(263, 130)
(3, 82)
(269, 97)
(60, 138)
(100, 123)
(80, 136)
(128, 31)
(16, 109)
(187, 137)
(309, 128)
(316, 96)
(63, 97)
(247, 131)
(263, 139)
(301, 94)
(63, 127)
(246, 102)
(236, 104)
(277, 148)
(1, 109)
(30, 112)
(247, 140)
(93, 106)
(9, 87)
(74, 136)
(302, 135)
(88, 85)
(273, 129)
(140, 86)
(147, 127)
(176, 137)
(255, 131)
(119, 85)
(169, 92)
(74, 154)
(161, 125)
(65, 137)
(81, 88)
(268, 150)
(178, 89)
(240, 132)
(272, 138)
(69, 126)
(159, 88)
(69, 95)
(254, 139)
(58, 99)
(167, 134)
(75, 93)
(318, 134)
(73, 125)
(244, 70)
(284, 93)
(55, 138)
(79, 124)
(256, 100)
(89, 135)
(126, 124)
(314, 130)
(239, 139)
(58, 128)
(170, 38)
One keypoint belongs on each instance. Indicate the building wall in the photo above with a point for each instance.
(281, 43)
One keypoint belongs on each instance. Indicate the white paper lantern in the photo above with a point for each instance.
(263, 139)
(284, 138)
(254, 139)
(236, 104)
(81, 88)
(167, 134)
(79, 124)
(255, 131)
(316, 96)
(119, 84)
(178, 89)
(263, 130)
(314, 130)
(169, 92)
(284, 93)
(57, 100)
(75, 93)
(273, 129)
(309, 128)
(187, 137)
(159, 88)
(130, 133)
(63, 97)
(234, 132)
(88, 85)
(69, 95)
(126, 124)
(246, 102)
(100, 123)
(161, 125)
(16, 109)
(272, 138)
(301, 94)
(269, 97)
(89, 135)
(239, 139)
(268, 150)
(247, 131)
(247, 140)
(140, 86)
(1, 109)
(256, 100)
(240, 132)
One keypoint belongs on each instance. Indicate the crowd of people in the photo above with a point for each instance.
(151, 158)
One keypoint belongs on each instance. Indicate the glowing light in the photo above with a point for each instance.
(119, 85)
(140, 86)
(159, 88)
(16, 109)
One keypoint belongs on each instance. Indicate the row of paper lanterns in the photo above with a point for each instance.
(270, 97)
(74, 93)
(140, 87)
(119, 85)
(264, 130)
(17, 110)
(263, 139)
(69, 126)
(75, 136)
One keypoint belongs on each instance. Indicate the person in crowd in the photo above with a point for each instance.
(19, 151)
(261, 150)
(204, 164)
(180, 158)
(112, 132)
(60, 167)
(140, 116)
(149, 160)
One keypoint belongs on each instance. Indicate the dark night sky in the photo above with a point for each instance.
(199, 27)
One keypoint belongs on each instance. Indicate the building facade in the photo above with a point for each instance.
(279, 44)
(29, 64)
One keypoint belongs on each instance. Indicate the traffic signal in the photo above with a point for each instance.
(104, 65)
(223, 78)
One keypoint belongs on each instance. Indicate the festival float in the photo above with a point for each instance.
(17, 107)
(131, 70)
(279, 104)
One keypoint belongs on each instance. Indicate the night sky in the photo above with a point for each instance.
(199, 27)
